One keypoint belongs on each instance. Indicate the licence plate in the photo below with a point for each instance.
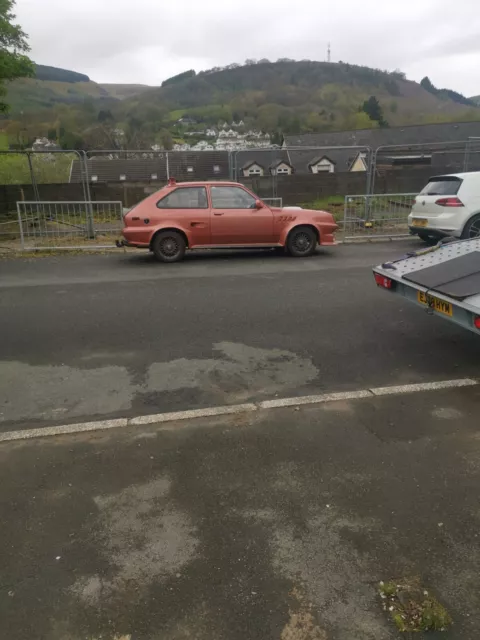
(435, 303)
(419, 222)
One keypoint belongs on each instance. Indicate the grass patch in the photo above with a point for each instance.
(412, 608)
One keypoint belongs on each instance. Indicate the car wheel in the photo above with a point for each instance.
(472, 228)
(169, 246)
(301, 242)
(430, 240)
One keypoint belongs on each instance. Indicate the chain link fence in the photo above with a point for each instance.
(69, 225)
(377, 216)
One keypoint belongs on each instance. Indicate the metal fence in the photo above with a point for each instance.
(68, 225)
(377, 216)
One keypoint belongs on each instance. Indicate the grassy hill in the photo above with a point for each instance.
(302, 96)
(284, 97)
(52, 86)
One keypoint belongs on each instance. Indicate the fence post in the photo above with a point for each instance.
(20, 224)
(345, 211)
(167, 166)
(89, 224)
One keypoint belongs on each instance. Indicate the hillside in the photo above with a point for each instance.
(52, 86)
(306, 95)
(476, 99)
(280, 98)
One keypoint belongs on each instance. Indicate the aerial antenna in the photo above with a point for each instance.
(329, 53)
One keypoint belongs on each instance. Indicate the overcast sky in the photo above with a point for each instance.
(146, 41)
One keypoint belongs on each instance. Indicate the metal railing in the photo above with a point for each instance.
(377, 216)
(69, 225)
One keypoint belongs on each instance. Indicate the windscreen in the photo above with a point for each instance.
(442, 186)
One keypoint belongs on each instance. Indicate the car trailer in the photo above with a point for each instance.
(444, 280)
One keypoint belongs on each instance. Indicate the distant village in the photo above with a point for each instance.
(227, 137)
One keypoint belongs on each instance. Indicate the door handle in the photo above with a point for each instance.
(218, 214)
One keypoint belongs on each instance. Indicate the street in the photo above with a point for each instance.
(274, 524)
(95, 337)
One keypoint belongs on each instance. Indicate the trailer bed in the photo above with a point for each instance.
(444, 280)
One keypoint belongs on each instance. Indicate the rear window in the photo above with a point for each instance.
(442, 186)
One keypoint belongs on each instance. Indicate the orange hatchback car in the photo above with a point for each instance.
(221, 215)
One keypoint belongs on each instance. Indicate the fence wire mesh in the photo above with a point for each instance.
(68, 225)
(377, 215)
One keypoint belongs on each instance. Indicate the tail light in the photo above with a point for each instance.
(449, 202)
(476, 322)
(383, 281)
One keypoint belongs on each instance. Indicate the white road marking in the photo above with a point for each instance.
(98, 425)
(425, 386)
(324, 397)
(191, 414)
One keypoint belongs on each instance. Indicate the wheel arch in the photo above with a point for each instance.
(286, 234)
(467, 222)
(169, 228)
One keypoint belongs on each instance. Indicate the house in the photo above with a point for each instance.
(332, 160)
(261, 163)
(44, 144)
(189, 165)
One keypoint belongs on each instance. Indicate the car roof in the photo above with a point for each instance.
(463, 176)
(203, 183)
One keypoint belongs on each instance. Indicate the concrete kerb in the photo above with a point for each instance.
(238, 409)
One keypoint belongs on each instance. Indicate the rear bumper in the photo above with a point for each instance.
(434, 233)
(133, 237)
(444, 224)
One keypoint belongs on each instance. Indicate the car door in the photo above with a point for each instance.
(187, 208)
(235, 220)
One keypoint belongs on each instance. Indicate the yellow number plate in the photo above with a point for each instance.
(435, 303)
(419, 222)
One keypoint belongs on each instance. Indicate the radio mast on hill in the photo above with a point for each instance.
(329, 53)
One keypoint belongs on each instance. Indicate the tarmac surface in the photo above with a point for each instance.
(275, 524)
(98, 337)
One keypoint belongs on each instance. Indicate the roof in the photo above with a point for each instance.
(141, 168)
(315, 160)
(411, 134)
(341, 158)
(266, 158)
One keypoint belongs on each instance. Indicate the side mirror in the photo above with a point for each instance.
(258, 204)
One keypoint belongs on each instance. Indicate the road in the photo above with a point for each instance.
(91, 337)
(268, 525)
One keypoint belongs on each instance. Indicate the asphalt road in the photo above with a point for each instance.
(269, 525)
(90, 337)
(274, 526)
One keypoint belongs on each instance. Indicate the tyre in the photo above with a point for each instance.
(301, 242)
(169, 246)
(430, 240)
(472, 228)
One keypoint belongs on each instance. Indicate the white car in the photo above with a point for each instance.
(448, 206)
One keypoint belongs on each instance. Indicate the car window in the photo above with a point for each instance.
(185, 198)
(442, 186)
(231, 198)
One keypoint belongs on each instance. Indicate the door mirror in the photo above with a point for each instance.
(258, 204)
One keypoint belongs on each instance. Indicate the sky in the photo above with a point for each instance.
(147, 41)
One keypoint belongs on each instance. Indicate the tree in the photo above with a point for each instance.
(374, 111)
(13, 45)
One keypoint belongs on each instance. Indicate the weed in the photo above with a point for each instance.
(412, 608)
